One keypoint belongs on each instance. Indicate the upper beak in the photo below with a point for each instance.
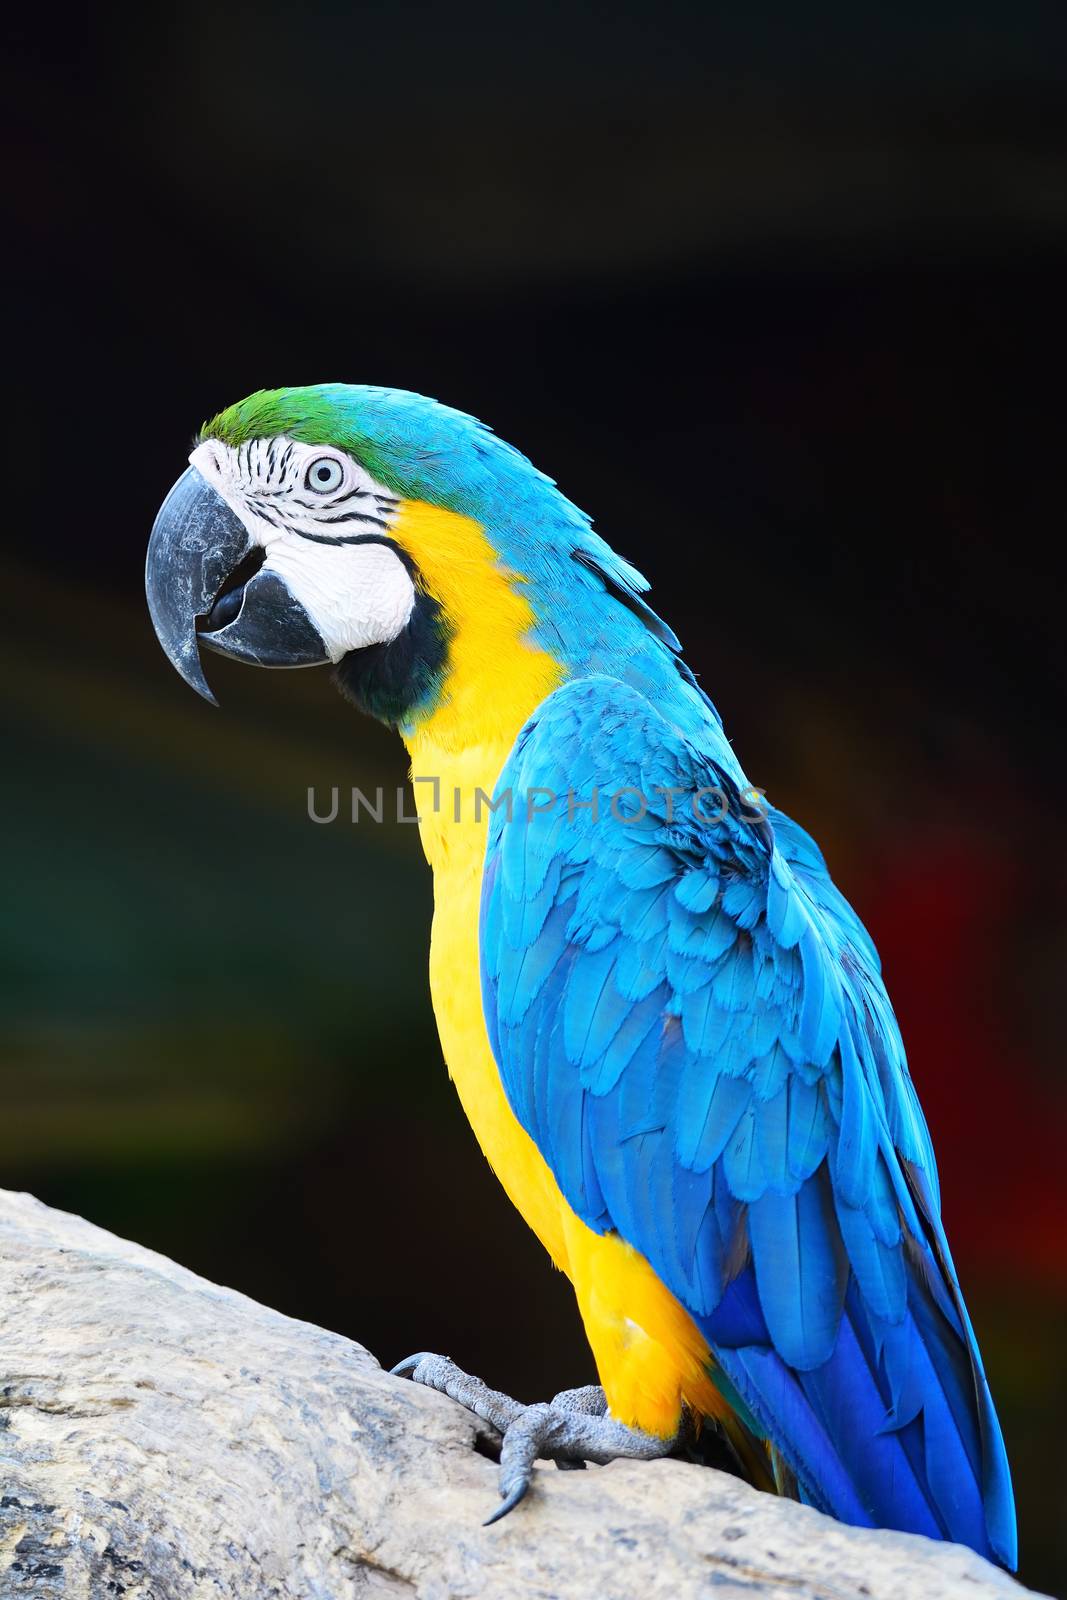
(196, 546)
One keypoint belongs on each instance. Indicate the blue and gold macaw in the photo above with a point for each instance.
(668, 1029)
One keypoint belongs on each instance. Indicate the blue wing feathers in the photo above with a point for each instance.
(706, 1121)
(808, 1128)
(801, 1272)
(689, 1021)
(879, 1268)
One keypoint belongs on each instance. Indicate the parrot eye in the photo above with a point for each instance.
(324, 474)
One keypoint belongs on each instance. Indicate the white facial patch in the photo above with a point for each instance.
(321, 519)
(355, 594)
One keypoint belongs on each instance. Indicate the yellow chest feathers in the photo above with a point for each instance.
(496, 674)
(495, 678)
(648, 1352)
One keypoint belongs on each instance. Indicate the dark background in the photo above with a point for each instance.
(777, 294)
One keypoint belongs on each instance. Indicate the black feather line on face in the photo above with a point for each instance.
(347, 538)
(394, 681)
(355, 516)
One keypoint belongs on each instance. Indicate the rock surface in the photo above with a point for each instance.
(162, 1438)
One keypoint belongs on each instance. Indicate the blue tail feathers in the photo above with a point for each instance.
(895, 1429)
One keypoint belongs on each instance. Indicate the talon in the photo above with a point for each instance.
(409, 1363)
(509, 1502)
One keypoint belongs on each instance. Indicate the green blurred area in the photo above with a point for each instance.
(177, 944)
(217, 1036)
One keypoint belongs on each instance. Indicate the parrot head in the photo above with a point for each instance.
(389, 536)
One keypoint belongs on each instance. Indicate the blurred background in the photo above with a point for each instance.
(802, 266)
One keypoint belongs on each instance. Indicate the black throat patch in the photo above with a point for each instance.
(397, 680)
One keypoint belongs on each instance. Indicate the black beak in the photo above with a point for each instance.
(196, 547)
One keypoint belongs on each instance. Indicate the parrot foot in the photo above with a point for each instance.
(570, 1430)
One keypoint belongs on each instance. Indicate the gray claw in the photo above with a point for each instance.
(408, 1365)
(509, 1502)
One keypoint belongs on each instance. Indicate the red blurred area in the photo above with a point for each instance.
(947, 913)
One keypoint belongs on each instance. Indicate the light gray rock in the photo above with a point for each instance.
(162, 1438)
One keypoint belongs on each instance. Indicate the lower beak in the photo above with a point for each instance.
(197, 546)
